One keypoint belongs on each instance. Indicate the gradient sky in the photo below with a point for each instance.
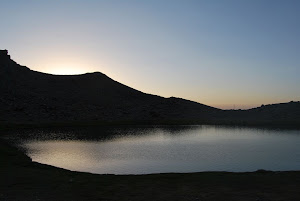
(227, 54)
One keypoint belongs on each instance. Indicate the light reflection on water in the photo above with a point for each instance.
(181, 149)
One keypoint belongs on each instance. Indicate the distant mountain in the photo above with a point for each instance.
(33, 97)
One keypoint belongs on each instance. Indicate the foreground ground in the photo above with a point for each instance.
(21, 179)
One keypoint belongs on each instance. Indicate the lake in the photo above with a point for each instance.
(162, 149)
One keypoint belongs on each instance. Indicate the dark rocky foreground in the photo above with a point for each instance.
(33, 98)
(21, 179)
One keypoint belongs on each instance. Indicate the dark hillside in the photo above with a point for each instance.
(33, 97)
(30, 96)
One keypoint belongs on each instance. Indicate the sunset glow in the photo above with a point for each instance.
(224, 54)
(65, 69)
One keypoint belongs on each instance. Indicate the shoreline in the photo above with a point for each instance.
(22, 179)
(33, 125)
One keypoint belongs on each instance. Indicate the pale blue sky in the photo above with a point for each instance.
(220, 53)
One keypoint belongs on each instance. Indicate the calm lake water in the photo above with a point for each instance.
(144, 150)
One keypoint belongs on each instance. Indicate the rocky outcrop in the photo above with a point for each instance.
(4, 55)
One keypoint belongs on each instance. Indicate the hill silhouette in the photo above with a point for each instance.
(29, 96)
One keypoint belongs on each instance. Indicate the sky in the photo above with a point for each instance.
(228, 54)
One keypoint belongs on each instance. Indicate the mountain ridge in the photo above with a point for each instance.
(34, 97)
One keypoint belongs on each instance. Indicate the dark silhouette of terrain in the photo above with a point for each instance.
(33, 97)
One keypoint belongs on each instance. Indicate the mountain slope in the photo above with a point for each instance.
(33, 97)
(30, 96)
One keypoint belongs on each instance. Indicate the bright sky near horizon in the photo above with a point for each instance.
(227, 54)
